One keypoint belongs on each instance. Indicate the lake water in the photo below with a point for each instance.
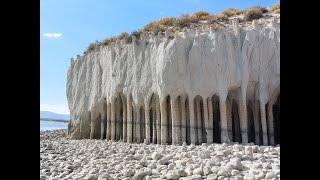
(52, 125)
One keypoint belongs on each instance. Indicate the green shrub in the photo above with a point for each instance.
(253, 13)
(231, 12)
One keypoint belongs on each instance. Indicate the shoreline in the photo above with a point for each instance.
(54, 120)
(48, 131)
(52, 125)
(63, 158)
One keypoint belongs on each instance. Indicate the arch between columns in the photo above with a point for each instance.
(251, 123)
(138, 123)
(233, 118)
(155, 120)
(169, 119)
(276, 120)
(216, 119)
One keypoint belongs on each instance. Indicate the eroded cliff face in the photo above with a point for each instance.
(194, 62)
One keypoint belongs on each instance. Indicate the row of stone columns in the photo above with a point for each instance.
(192, 121)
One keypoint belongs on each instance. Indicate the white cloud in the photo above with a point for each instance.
(52, 35)
(56, 108)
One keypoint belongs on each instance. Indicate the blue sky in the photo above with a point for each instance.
(68, 26)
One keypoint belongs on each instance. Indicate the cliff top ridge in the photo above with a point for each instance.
(199, 22)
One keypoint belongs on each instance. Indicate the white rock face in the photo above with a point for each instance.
(204, 63)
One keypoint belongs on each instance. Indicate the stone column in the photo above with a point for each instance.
(124, 120)
(108, 137)
(118, 116)
(69, 127)
(210, 120)
(113, 120)
(134, 124)
(158, 123)
(142, 125)
(164, 122)
(154, 126)
(229, 120)
(85, 122)
(92, 131)
(147, 122)
(243, 121)
(223, 121)
(98, 126)
(193, 125)
(199, 125)
(256, 118)
(138, 122)
(179, 119)
(129, 120)
(183, 120)
(264, 123)
(103, 123)
(175, 121)
(208, 124)
(270, 125)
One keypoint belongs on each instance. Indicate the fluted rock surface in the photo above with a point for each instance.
(193, 62)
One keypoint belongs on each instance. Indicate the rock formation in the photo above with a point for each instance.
(197, 86)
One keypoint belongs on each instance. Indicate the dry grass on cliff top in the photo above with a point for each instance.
(275, 8)
(185, 20)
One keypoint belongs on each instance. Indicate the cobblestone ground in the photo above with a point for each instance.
(62, 158)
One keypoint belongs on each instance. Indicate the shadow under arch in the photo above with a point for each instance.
(130, 119)
(142, 123)
(119, 117)
(104, 119)
(251, 123)
(185, 103)
(276, 120)
(216, 119)
(169, 118)
(233, 118)
(199, 116)
(154, 122)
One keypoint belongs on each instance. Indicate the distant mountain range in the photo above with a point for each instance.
(52, 115)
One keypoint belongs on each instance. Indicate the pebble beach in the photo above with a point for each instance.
(63, 158)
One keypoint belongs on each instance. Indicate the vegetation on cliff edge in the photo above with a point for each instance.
(185, 20)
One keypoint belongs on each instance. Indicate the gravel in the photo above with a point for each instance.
(63, 158)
